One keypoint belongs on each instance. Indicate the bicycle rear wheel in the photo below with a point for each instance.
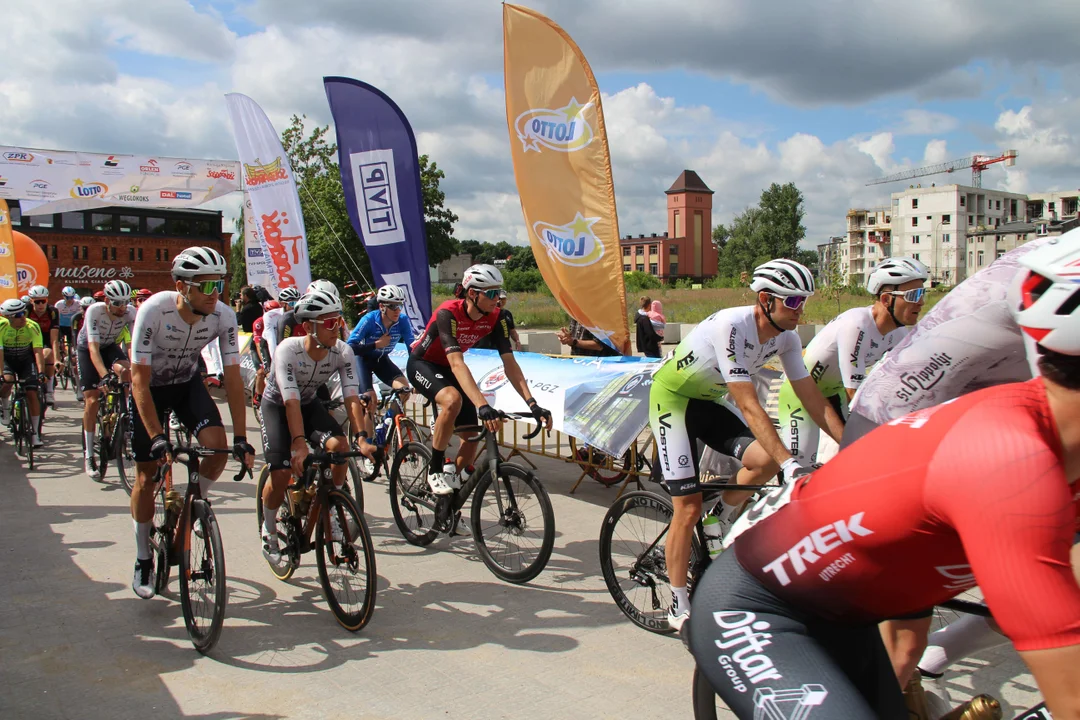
(346, 561)
(516, 541)
(123, 454)
(28, 435)
(411, 500)
(16, 425)
(601, 467)
(203, 593)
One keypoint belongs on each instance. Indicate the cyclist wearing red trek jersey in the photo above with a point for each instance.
(438, 372)
(980, 490)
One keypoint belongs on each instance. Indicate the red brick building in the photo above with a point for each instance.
(686, 250)
(87, 248)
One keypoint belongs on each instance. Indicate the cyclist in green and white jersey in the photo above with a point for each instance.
(704, 391)
(839, 357)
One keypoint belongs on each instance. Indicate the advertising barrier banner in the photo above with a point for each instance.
(9, 284)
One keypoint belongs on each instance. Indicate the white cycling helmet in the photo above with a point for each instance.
(315, 303)
(196, 261)
(895, 271)
(391, 294)
(1045, 294)
(86, 302)
(783, 277)
(482, 277)
(38, 291)
(12, 307)
(117, 291)
(68, 292)
(288, 295)
(26, 300)
(324, 286)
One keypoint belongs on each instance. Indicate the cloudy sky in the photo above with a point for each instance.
(828, 94)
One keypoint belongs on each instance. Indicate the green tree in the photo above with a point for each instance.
(833, 280)
(771, 230)
(522, 258)
(782, 206)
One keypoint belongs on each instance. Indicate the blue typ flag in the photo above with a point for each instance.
(380, 173)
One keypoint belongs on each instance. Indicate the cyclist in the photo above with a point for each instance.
(22, 357)
(979, 490)
(261, 351)
(272, 322)
(100, 354)
(438, 371)
(839, 356)
(76, 325)
(67, 308)
(48, 319)
(375, 336)
(287, 325)
(171, 329)
(693, 394)
(292, 415)
(140, 296)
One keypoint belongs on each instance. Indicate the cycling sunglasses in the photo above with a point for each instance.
(328, 323)
(119, 303)
(207, 287)
(392, 306)
(42, 301)
(791, 302)
(492, 294)
(912, 296)
(18, 316)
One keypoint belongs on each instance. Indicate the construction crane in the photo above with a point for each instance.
(977, 163)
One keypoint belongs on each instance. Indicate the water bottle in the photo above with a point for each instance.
(381, 430)
(714, 534)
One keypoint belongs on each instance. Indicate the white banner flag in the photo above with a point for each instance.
(269, 182)
(260, 271)
(52, 181)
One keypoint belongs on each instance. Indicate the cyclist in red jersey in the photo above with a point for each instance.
(982, 490)
(439, 373)
(48, 319)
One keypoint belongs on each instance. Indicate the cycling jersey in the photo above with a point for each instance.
(76, 321)
(968, 341)
(452, 330)
(269, 332)
(969, 492)
(19, 342)
(67, 310)
(296, 376)
(370, 329)
(102, 327)
(48, 321)
(288, 326)
(838, 359)
(170, 347)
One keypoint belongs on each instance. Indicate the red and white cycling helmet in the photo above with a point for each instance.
(1045, 295)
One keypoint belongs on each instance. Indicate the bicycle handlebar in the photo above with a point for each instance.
(502, 416)
(321, 457)
(186, 455)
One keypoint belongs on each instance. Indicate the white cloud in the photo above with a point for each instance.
(171, 28)
(936, 152)
(917, 121)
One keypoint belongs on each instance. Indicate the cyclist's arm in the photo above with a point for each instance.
(361, 339)
(229, 349)
(407, 335)
(95, 357)
(144, 401)
(350, 388)
(38, 348)
(1057, 673)
(852, 365)
(758, 420)
(54, 341)
(270, 336)
(820, 410)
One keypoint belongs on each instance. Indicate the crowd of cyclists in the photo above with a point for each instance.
(959, 437)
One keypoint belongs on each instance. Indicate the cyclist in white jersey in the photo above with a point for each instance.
(840, 356)
(171, 328)
(292, 415)
(100, 354)
(968, 341)
(688, 401)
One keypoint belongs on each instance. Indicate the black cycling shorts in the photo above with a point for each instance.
(319, 426)
(191, 403)
(23, 368)
(767, 658)
(88, 374)
(702, 421)
(65, 332)
(383, 367)
(429, 378)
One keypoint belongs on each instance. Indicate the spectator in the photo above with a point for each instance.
(648, 341)
(583, 342)
(250, 310)
(656, 315)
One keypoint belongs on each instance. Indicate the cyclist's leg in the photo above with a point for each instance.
(27, 372)
(142, 492)
(367, 390)
(436, 383)
(905, 640)
(466, 417)
(277, 452)
(197, 411)
(88, 382)
(761, 654)
(117, 360)
(797, 431)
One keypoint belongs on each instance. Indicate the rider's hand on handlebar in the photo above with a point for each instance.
(243, 451)
(159, 449)
(541, 415)
(299, 454)
(489, 416)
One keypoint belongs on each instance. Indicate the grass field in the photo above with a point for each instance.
(540, 311)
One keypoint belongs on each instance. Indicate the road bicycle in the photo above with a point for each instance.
(342, 543)
(68, 372)
(512, 521)
(20, 422)
(395, 430)
(186, 535)
(112, 441)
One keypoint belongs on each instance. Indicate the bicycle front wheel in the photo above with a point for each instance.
(411, 500)
(346, 561)
(203, 593)
(28, 435)
(705, 698)
(632, 539)
(290, 556)
(513, 524)
(160, 536)
(102, 443)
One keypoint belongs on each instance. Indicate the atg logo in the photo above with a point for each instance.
(564, 129)
(19, 157)
(88, 190)
(572, 244)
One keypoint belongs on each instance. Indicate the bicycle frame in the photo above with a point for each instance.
(318, 465)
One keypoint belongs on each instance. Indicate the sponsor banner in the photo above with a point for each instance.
(380, 175)
(275, 204)
(601, 401)
(563, 171)
(260, 271)
(9, 284)
(32, 267)
(52, 181)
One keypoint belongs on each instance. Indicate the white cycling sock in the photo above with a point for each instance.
(727, 512)
(681, 598)
(269, 520)
(142, 539)
(89, 436)
(966, 636)
(204, 486)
